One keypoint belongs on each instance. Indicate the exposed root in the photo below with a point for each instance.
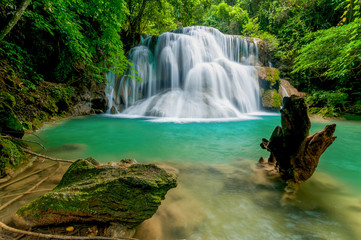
(23, 140)
(46, 157)
(19, 171)
(20, 196)
(35, 136)
(17, 194)
(26, 176)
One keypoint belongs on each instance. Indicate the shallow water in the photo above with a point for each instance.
(221, 194)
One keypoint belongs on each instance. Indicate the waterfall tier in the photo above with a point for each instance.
(193, 72)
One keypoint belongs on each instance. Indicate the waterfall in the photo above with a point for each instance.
(193, 72)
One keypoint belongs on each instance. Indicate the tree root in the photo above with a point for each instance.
(46, 157)
(19, 139)
(17, 194)
(26, 176)
(18, 172)
(51, 236)
(20, 196)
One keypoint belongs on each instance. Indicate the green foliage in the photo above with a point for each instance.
(273, 77)
(226, 18)
(332, 55)
(90, 32)
(327, 103)
(316, 43)
(22, 61)
(77, 35)
(11, 156)
(9, 122)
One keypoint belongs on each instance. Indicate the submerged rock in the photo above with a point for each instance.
(295, 154)
(124, 193)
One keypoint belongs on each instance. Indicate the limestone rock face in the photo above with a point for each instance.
(269, 83)
(90, 98)
(125, 193)
(286, 89)
(295, 154)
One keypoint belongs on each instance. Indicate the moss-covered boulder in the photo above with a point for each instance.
(268, 77)
(269, 83)
(9, 123)
(271, 99)
(126, 192)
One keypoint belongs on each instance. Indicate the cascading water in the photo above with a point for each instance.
(193, 72)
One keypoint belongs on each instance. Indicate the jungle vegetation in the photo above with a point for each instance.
(316, 43)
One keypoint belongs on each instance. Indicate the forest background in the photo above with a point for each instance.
(58, 45)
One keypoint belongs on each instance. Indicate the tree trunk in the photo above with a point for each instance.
(24, 4)
(295, 154)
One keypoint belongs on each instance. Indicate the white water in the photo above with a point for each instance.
(284, 90)
(195, 72)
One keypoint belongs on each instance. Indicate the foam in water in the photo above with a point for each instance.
(194, 72)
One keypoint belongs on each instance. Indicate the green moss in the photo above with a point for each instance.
(277, 100)
(11, 156)
(9, 123)
(273, 76)
(102, 192)
(271, 99)
(8, 99)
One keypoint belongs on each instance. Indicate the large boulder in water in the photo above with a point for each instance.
(295, 154)
(125, 193)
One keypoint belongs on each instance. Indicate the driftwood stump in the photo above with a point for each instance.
(295, 154)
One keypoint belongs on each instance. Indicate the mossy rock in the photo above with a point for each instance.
(11, 156)
(124, 192)
(271, 99)
(9, 123)
(269, 78)
(273, 76)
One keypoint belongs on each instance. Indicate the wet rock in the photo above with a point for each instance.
(286, 89)
(271, 99)
(267, 53)
(113, 110)
(124, 193)
(90, 98)
(268, 77)
(294, 153)
(269, 83)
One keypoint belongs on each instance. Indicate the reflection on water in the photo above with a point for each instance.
(221, 196)
(235, 201)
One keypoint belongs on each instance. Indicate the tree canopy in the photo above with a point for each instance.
(317, 42)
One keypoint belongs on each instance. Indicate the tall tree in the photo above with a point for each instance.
(24, 4)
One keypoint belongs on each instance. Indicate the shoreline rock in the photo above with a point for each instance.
(123, 194)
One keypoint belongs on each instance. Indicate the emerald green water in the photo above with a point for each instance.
(218, 180)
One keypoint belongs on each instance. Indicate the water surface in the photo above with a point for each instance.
(221, 194)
